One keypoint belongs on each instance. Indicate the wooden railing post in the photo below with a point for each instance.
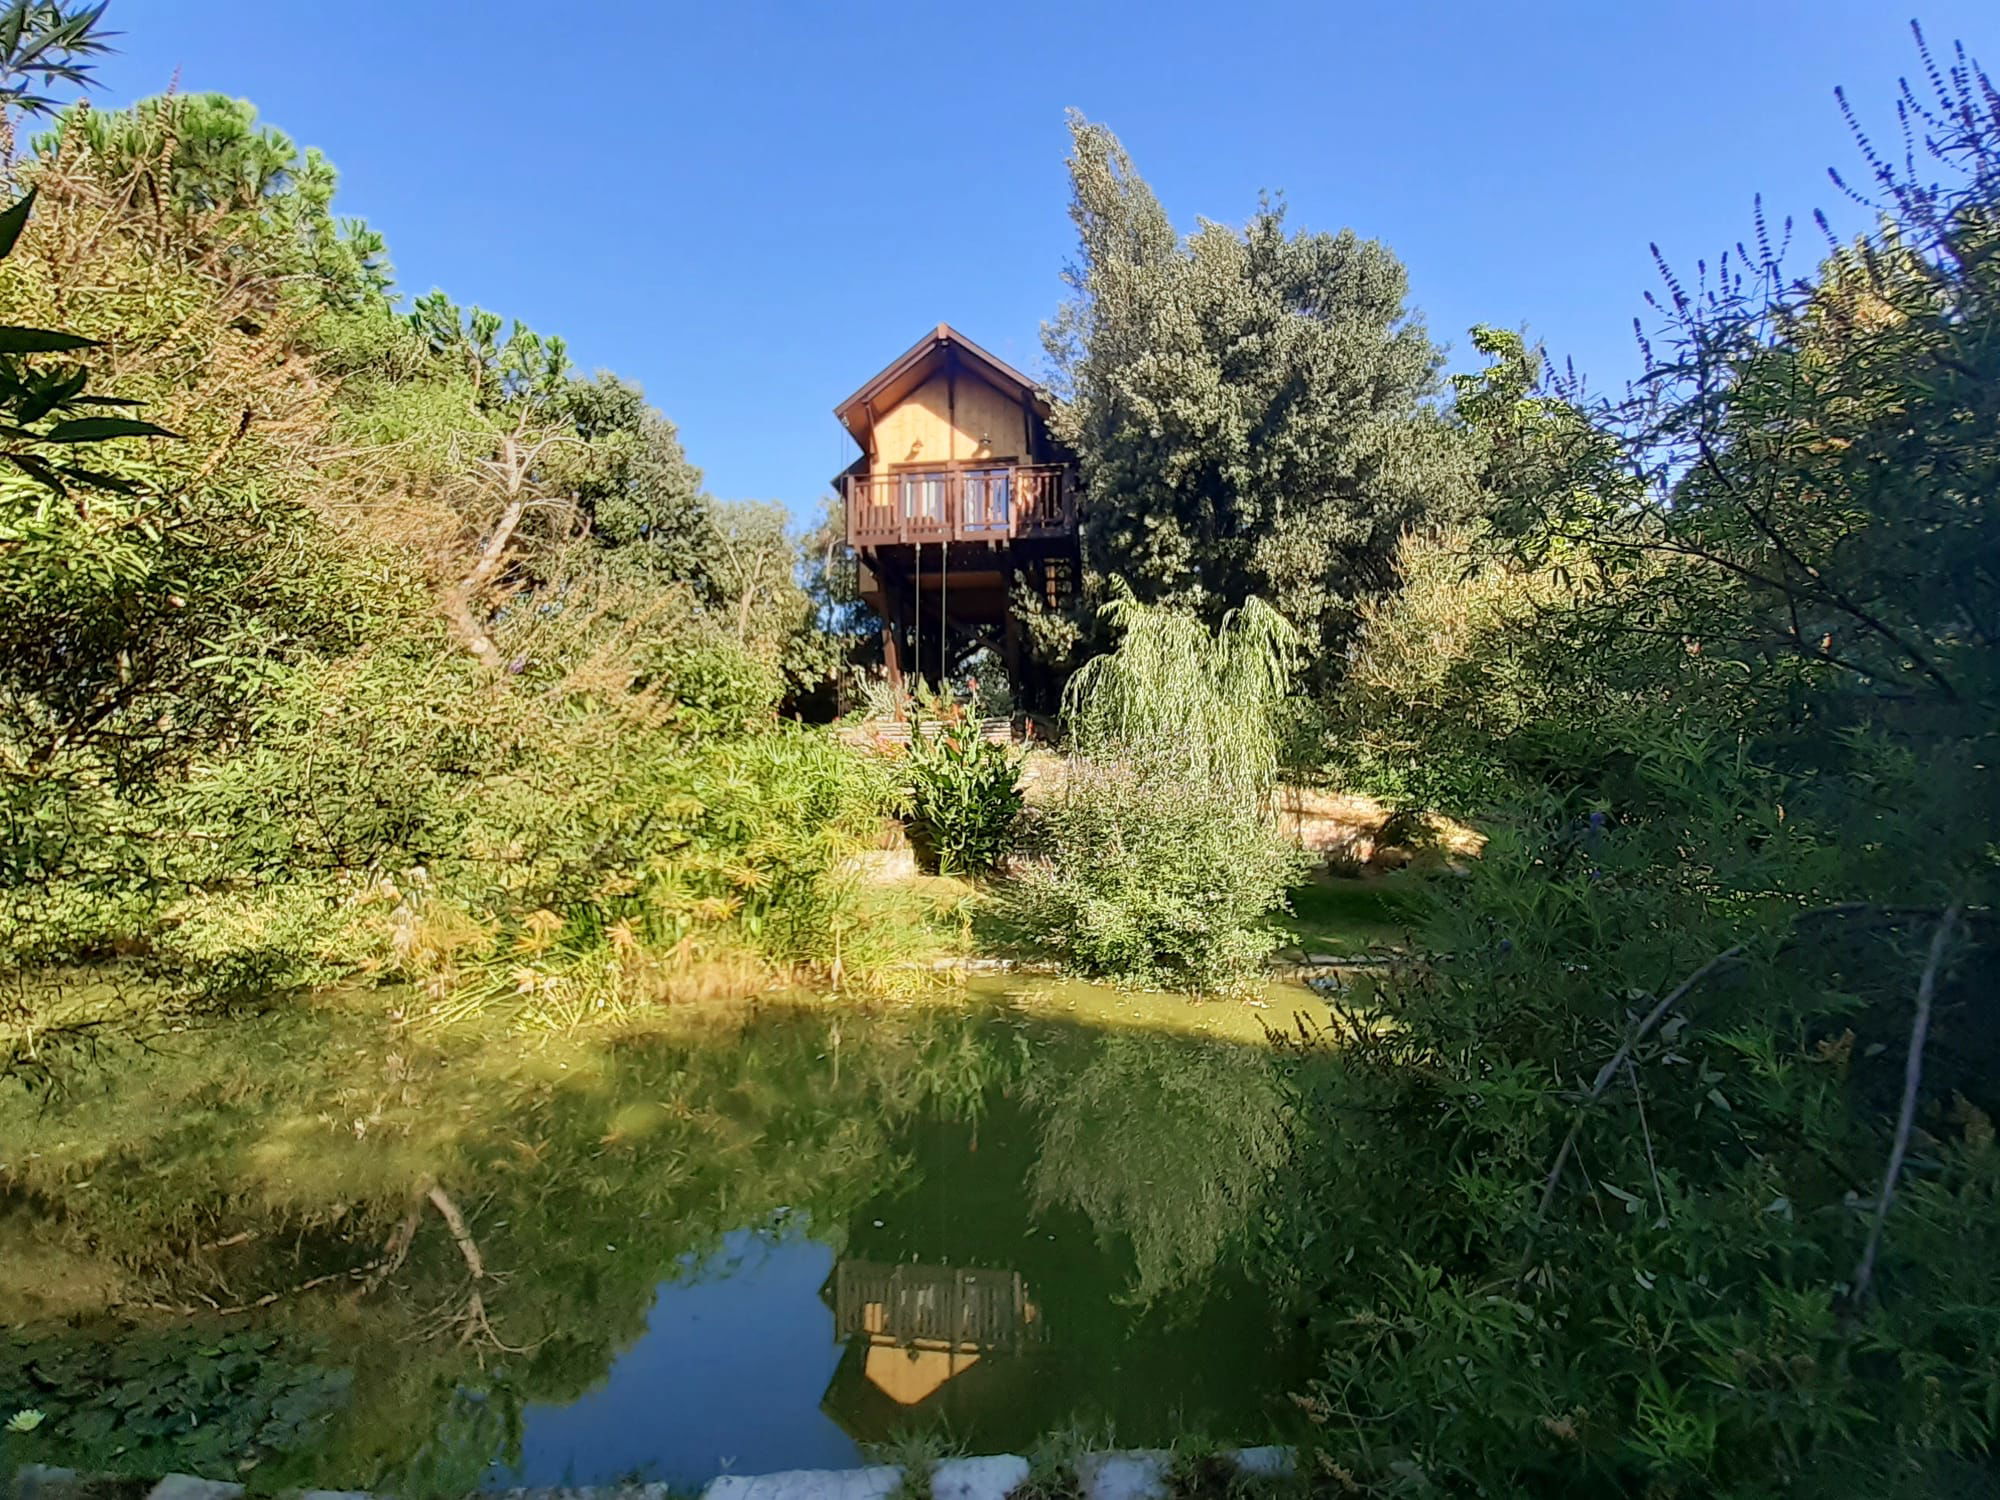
(1021, 501)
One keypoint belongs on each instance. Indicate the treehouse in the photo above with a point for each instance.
(960, 498)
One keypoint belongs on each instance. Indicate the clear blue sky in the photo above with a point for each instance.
(749, 208)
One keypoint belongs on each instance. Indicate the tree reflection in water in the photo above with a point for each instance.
(995, 1221)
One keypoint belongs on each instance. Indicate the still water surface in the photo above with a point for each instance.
(762, 1246)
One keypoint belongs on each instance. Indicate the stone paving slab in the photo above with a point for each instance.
(876, 1483)
(1138, 1475)
(187, 1487)
(992, 1478)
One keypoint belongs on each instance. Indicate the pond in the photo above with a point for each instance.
(322, 1248)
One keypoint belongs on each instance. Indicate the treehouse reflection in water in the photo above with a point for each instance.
(974, 1295)
(738, 1246)
(912, 1331)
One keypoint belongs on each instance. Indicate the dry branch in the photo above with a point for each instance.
(1618, 1059)
(511, 476)
(455, 1222)
(1913, 1077)
(474, 1325)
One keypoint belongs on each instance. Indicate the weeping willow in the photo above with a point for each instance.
(1179, 698)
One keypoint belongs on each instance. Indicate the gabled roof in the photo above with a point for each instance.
(917, 364)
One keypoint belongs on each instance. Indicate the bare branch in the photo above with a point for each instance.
(1913, 1077)
(1617, 1060)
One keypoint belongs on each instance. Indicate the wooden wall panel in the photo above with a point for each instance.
(920, 429)
(990, 423)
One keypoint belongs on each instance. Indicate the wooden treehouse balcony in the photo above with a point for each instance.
(961, 505)
(971, 503)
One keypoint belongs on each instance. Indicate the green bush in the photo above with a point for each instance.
(736, 837)
(1154, 880)
(721, 688)
(417, 658)
(964, 798)
(493, 807)
(1158, 865)
(1669, 1170)
(1443, 673)
(1530, 1286)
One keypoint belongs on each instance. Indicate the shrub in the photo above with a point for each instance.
(721, 688)
(1438, 676)
(1544, 1272)
(645, 840)
(1670, 1171)
(964, 798)
(1155, 880)
(1159, 864)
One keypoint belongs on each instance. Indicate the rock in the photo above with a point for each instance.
(187, 1487)
(1143, 1474)
(882, 866)
(1269, 1462)
(877, 1483)
(991, 1478)
(44, 1482)
(1138, 1475)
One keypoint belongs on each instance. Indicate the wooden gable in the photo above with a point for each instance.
(945, 401)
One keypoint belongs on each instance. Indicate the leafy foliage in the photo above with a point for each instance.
(644, 499)
(201, 1401)
(1250, 407)
(965, 796)
(1630, 1186)
(410, 608)
(45, 405)
(44, 43)
(217, 173)
(1158, 862)
(146, 610)
(1198, 704)
(1153, 881)
(1456, 696)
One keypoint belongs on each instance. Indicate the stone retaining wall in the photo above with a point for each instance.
(1140, 1474)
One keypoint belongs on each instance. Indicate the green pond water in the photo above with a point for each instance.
(762, 1237)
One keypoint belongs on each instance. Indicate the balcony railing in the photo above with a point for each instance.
(961, 505)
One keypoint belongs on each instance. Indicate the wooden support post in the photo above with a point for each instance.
(892, 627)
(1011, 625)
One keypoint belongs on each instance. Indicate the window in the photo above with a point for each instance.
(923, 497)
(987, 499)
